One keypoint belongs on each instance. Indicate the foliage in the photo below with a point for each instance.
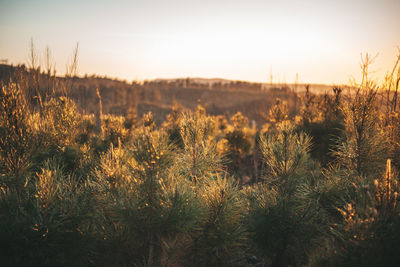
(60, 121)
(326, 125)
(200, 157)
(239, 141)
(172, 125)
(279, 112)
(281, 215)
(15, 133)
(285, 152)
(363, 148)
(50, 224)
(368, 233)
(220, 237)
(188, 193)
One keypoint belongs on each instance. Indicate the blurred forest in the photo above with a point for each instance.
(220, 97)
(100, 172)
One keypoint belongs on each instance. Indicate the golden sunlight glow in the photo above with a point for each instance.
(321, 41)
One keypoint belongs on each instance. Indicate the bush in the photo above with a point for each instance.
(49, 224)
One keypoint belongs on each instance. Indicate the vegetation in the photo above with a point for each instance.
(316, 185)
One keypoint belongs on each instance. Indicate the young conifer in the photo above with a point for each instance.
(363, 149)
(280, 215)
(200, 157)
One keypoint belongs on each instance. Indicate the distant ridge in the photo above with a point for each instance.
(299, 87)
(6, 69)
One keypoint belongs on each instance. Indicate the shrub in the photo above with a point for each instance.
(49, 224)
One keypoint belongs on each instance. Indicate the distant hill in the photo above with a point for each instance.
(197, 80)
(315, 88)
(220, 96)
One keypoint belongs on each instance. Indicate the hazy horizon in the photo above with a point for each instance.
(321, 41)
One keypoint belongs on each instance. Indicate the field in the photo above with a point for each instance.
(193, 172)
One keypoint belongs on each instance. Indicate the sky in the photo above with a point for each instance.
(320, 41)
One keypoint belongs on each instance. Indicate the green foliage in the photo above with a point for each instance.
(114, 130)
(152, 206)
(60, 121)
(278, 112)
(200, 157)
(135, 194)
(363, 149)
(49, 224)
(86, 130)
(368, 232)
(326, 126)
(285, 152)
(281, 215)
(220, 237)
(238, 140)
(172, 126)
(308, 109)
(15, 133)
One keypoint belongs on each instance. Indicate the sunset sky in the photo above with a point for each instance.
(242, 40)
